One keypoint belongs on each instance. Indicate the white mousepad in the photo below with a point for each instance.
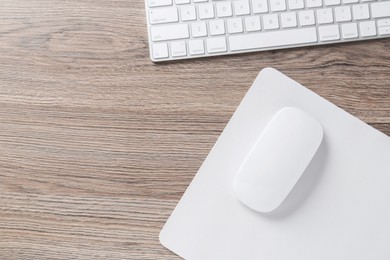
(339, 209)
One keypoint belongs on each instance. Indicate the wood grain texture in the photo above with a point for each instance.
(97, 143)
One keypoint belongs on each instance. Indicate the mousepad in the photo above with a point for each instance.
(339, 209)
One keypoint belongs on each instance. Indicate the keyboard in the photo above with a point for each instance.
(184, 29)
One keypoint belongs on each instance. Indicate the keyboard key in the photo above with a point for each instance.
(350, 1)
(215, 45)
(180, 2)
(199, 1)
(349, 30)
(270, 21)
(224, 9)
(272, 39)
(188, 13)
(160, 50)
(384, 23)
(217, 27)
(252, 23)
(343, 13)
(199, 29)
(277, 5)
(156, 3)
(259, 6)
(367, 29)
(241, 7)
(324, 15)
(313, 3)
(306, 17)
(384, 30)
(288, 19)
(234, 25)
(163, 15)
(332, 2)
(178, 49)
(169, 32)
(196, 47)
(361, 12)
(206, 11)
(295, 4)
(380, 9)
(329, 33)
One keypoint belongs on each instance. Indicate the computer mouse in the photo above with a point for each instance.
(277, 159)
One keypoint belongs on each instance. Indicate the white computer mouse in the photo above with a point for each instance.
(277, 159)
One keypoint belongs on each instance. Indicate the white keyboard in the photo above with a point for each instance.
(183, 29)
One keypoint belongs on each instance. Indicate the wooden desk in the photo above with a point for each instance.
(97, 143)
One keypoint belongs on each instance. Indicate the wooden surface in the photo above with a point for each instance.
(97, 143)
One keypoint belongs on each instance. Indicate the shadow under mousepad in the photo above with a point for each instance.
(339, 209)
